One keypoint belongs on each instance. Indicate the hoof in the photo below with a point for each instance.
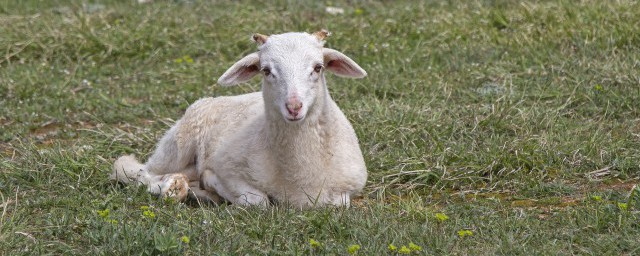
(175, 186)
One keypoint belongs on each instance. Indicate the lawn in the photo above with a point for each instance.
(488, 127)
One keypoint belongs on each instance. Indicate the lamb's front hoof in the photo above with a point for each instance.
(175, 186)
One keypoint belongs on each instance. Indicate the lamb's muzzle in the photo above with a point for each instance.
(294, 106)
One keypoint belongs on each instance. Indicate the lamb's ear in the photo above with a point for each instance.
(241, 71)
(341, 65)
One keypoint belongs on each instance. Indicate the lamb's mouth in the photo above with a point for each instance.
(294, 119)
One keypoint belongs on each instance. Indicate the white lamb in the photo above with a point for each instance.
(289, 143)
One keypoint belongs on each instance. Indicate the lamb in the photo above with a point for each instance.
(289, 143)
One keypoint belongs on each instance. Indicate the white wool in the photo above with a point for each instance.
(289, 142)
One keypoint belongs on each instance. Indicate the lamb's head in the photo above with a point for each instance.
(293, 66)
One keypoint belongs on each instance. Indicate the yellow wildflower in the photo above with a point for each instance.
(441, 217)
(353, 249)
(404, 250)
(104, 213)
(622, 206)
(462, 233)
(149, 214)
(314, 243)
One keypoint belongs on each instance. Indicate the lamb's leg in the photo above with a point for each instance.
(233, 189)
(168, 171)
(202, 195)
(341, 199)
(175, 185)
(173, 156)
(128, 170)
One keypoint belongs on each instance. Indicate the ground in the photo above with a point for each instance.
(488, 127)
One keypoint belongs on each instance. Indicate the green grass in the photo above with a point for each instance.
(518, 121)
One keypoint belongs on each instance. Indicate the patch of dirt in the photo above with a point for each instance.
(47, 129)
(545, 205)
(617, 185)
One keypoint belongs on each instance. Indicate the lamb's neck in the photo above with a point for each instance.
(305, 131)
(299, 140)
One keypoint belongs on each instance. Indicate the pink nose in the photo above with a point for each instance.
(294, 107)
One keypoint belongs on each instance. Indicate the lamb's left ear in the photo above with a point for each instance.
(341, 65)
(241, 71)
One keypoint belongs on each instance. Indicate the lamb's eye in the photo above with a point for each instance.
(266, 71)
(317, 68)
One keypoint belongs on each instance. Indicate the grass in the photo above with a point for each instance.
(519, 122)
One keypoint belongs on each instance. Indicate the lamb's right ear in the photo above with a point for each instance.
(241, 71)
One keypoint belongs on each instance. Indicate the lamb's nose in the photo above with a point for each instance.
(294, 107)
